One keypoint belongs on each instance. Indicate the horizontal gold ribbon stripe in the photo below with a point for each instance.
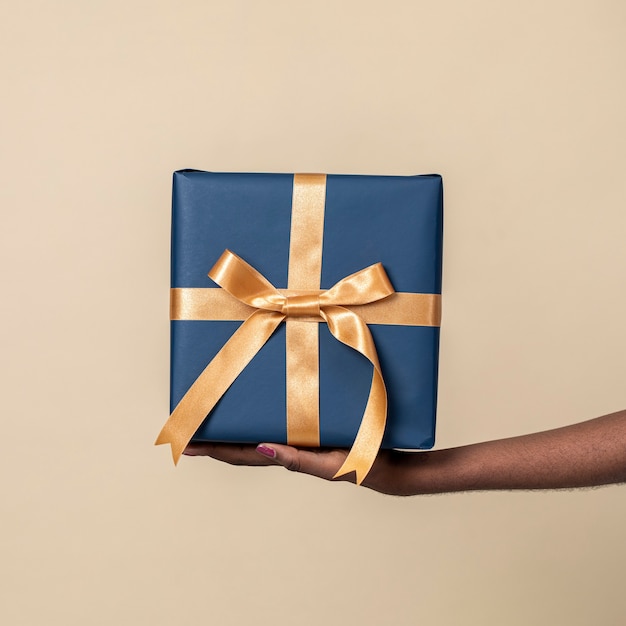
(399, 309)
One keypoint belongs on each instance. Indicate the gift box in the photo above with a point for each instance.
(319, 324)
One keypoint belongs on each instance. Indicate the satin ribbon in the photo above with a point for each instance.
(272, 306)
(211, 304)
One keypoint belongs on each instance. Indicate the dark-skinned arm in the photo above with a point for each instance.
(587, 454)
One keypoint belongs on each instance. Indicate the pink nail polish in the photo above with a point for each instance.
(266, 451)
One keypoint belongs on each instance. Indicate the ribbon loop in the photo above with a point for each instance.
(363, 287)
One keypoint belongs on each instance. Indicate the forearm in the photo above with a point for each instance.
(581, 455)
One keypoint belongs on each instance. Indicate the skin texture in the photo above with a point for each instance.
(587, 454)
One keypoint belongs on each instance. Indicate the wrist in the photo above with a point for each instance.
(445, 471)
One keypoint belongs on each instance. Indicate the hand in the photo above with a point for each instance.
(385, 475)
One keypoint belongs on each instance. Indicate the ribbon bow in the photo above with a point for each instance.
(273, 306)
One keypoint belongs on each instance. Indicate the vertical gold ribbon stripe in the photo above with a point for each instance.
(302, 338)
(303, 375)
(307, 231)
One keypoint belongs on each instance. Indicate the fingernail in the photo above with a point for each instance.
(266, 451)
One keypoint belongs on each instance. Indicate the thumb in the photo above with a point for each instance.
(321, 463)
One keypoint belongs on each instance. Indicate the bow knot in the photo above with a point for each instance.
(301, 305)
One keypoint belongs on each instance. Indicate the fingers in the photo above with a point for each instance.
(234, 454)
(321, 463)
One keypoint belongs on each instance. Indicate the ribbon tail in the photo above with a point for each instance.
(216, 378)
(370, 435)
(351, 330)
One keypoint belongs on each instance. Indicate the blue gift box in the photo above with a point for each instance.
(394, 220)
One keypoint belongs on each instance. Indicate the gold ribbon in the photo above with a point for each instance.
(399, 309)
(301, 338)
(364, 297)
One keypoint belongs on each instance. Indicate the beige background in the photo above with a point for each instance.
(519, 105)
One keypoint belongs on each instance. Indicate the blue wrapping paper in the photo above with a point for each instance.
(395, 220)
